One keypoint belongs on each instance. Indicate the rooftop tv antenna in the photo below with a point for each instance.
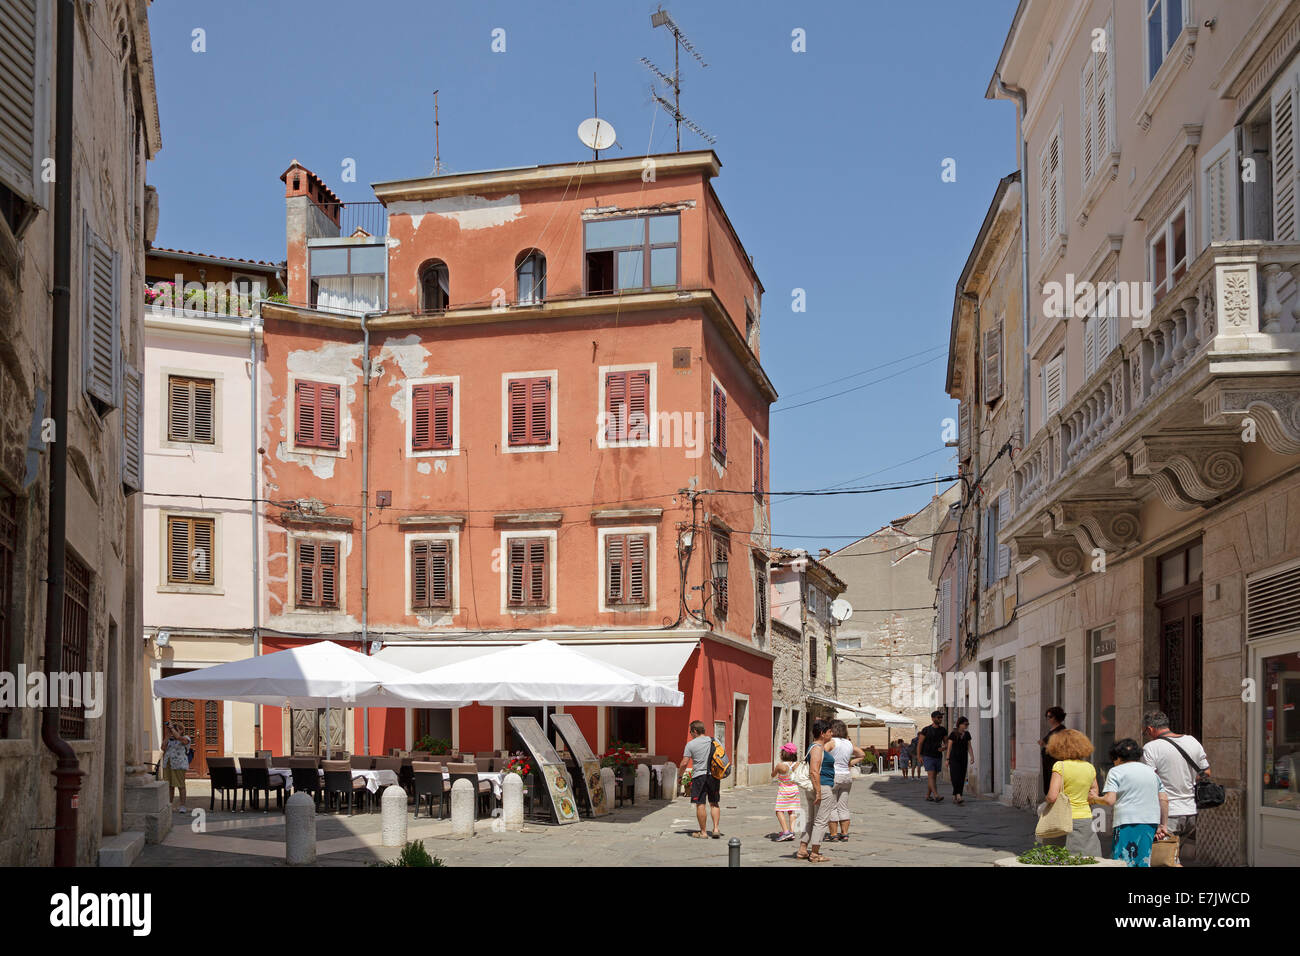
(661, 18)
(595, 133)
(438, 168)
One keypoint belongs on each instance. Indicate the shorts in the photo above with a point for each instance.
(903, 761)
(705, 786)
(1184, 826)
(932, 764)
(174, 778)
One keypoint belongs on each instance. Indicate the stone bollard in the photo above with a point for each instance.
(462, 808)
(300, 830)
(392, 807)
(607, 784)
(512, 801)
(641, 786)
(669, 787)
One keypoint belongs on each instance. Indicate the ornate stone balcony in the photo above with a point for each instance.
(1167, 411)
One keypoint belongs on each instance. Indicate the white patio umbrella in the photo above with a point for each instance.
(543, 672)
(320, 674)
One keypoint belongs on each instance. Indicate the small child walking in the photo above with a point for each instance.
(788, 798)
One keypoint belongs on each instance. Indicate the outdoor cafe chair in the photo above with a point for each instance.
(428, 782)
(361, 762)
(484, 764)
(257, 779)
(225, 779)
(469, 771)
(390, 763)
(306, 779)
(339, 781)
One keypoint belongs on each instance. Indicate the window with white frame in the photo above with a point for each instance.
(1051, 215)
(1054, 385)
(1096, 107)
(1100, 337)
(1219, 190)
(1165, 21)
(1167, 252)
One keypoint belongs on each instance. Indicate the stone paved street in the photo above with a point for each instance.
(892, 826)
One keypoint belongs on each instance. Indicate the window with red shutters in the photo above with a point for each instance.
(529, 411)
(431, 574)
(528, 577)
(627, 569)
(316, 415)
(721, 552)
(318, 574)
(431, 406)
(758, 469)
(627, 406)
(720, 424)
(760, 596)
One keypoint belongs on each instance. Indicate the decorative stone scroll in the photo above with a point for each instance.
(1060, 555)
(1109, 525)
(1271, 403)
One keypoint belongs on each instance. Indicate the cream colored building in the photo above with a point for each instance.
(803, 642)
(114, 125)
(1155, 500)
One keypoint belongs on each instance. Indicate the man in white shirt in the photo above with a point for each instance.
(1162, 754)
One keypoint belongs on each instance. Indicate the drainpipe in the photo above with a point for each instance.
(254, 324)
(1022, 105)
(365, 502)
(977, 408)
(67, 772)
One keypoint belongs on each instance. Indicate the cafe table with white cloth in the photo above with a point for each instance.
(374, 778)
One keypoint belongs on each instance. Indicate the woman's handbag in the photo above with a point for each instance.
(1208, 793)
(800, 776)
(1165, 852)
(1056, 821)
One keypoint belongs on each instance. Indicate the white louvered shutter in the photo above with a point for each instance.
(20, 101)
(133, 431)
(1284, 160)
(1053, 385)
(1103, 101)
(993, 364)
(1090, 326)
(100, 341)
(963, 431)
(1087, 136)
(1049, 186)
(1219, 183)
(945, 611)
(1004, 515)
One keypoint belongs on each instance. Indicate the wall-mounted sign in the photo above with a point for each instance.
(588, 761)
(553, 773)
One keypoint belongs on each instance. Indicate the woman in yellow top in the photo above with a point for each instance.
(1075, 778)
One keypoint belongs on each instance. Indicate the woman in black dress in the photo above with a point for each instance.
(959, 758)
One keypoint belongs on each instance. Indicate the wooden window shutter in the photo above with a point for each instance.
(538, 583)
(529, 413)
(328, 406)
(305, 429)
(616, 409)
(517, 424)
(307, 596)
(758, 468)
(316, 410)
(760, 595)
(442, 438)
(190, 555)
(19, 102)
(329, 559)
(1054, 385)
(178, 550)
(1284, 161)
(516, 569)
(1004, 516)
(1103, 101)
(720, 423)
(615, 560)
(721, 552)
(627, 568)
(528, 583)
(431, 574)
(202, 557)
(638, 405)
(421, 418)
(1090, 325)
(1087, 124)
(101, 343)
(963, 431)
(191, 407)
(204, 427)
(945, 611)
(133, 431)
(993, 364)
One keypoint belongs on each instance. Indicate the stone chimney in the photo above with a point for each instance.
(823, 554)
(311, 211)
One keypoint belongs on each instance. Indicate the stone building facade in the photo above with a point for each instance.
(114, 131)
(803, 640)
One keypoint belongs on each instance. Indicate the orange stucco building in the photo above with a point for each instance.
(517, 404)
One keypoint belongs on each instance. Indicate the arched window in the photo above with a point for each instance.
(434, 294)
(530, 275)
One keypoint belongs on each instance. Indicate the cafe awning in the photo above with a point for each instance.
(659, 660)
(868, 716)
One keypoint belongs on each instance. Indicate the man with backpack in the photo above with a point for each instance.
(705, 787)
(1179, 761)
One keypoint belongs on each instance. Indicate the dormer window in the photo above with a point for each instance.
(435, 290)
(631, 254)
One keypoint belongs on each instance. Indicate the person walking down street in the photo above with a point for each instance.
(1162, 753)
(174, 763)
(1141, 804)
(904, 756)
(960, 758)
(934, 746)
(787, 792)
(1055, 723)
(846, 757)
(1074, 779)
(914, 747)
(705, 787)
(821, 771)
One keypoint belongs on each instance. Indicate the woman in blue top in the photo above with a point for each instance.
(1140, 802)
(818, 803)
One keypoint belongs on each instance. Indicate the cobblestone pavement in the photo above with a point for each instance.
(892, 826)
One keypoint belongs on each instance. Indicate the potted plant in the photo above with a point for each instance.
(620, 760)
(521, 766)
(432, 745)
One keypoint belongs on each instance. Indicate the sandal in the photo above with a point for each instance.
(698, 835)
(817, 858)
(800, 855)
(717, 835)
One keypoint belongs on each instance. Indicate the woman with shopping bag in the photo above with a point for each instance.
(1074, 780)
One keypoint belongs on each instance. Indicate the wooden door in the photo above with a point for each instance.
(309, 731)
(201, 720)
(1180, 663)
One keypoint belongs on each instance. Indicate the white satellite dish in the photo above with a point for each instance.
(596, 133)
(841, 610)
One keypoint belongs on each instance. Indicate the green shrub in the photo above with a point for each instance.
(414, 854)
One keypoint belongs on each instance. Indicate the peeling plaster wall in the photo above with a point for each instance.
(468, 212)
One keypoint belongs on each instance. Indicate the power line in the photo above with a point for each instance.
(856, 388)
(874, 368)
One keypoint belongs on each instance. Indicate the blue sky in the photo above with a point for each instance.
(831, 170)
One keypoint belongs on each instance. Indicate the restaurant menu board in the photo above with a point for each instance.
(558, 785)
(588, 761)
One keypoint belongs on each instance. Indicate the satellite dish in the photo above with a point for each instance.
(596, 133)
(841, 610)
